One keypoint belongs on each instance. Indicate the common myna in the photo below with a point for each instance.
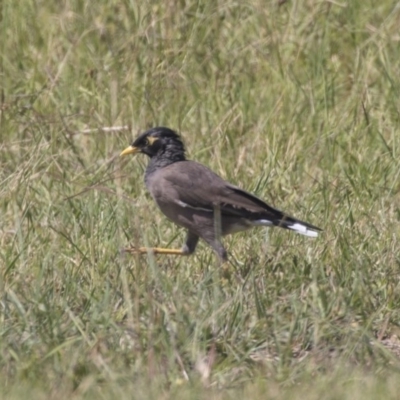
(194, 197)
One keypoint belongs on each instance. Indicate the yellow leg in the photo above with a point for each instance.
(155, 250)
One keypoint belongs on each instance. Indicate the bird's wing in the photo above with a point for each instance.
(197, 187)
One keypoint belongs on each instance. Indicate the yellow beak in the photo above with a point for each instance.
(130, 150)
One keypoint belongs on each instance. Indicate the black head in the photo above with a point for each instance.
(158, 141)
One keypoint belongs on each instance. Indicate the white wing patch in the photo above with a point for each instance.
(185, 205)
(262, 222)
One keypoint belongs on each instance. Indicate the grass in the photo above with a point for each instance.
(295, 101)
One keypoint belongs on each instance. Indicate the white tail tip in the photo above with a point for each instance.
(303, 230)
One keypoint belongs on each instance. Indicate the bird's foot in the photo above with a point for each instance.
(226, 275)
(153, 250)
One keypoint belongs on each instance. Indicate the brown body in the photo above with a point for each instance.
(194, 197)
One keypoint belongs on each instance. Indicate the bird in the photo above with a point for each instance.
(197, 199)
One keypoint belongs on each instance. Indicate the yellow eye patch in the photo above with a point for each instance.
(151, 140)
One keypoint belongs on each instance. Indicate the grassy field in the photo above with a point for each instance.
(296, 101)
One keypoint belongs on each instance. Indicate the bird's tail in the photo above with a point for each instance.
(301, 227)
(286, 222)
